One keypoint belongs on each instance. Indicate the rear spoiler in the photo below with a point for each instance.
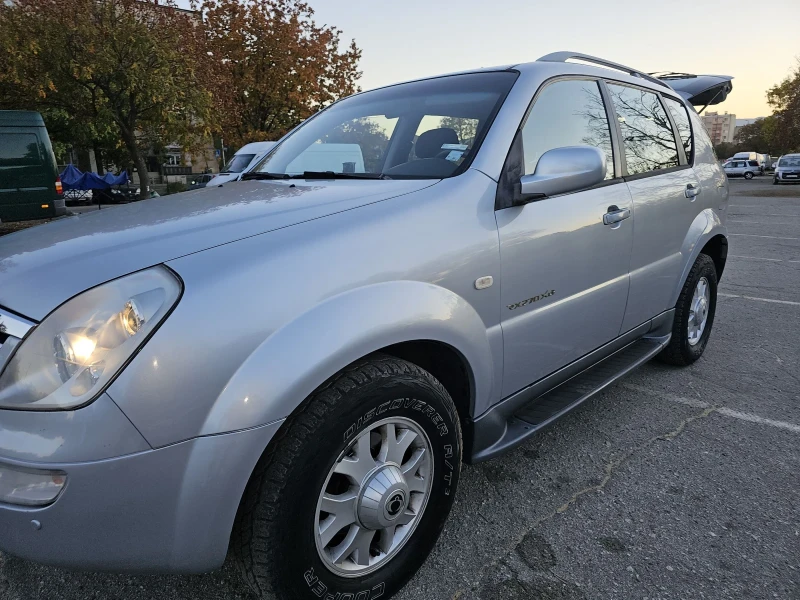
(698, 90)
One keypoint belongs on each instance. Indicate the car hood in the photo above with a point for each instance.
(43, 266)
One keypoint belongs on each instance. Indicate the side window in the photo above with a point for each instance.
(19, 150)
(681, 118)
(567, 113)
(646, 131)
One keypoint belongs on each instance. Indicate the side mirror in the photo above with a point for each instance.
(562, 170)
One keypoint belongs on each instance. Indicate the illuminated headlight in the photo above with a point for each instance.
(68, 359)
(28, 487)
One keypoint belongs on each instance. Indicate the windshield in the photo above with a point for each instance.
(238, 163)
(790, 162)
(420, 130)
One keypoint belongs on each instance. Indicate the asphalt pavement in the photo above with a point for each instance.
(672, 484)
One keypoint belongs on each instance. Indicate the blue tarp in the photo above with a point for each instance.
(73, 179)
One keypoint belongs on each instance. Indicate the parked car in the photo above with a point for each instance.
(788, 169)
(296, 366)
(247, 156)
(29, 184)
(741, 168)
(200, 181)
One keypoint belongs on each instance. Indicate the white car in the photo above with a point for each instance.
(247, 157)
(741, 168)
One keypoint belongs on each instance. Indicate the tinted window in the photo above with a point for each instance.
(567, 113)
(681, 118)
(19, 150)
(646, 131)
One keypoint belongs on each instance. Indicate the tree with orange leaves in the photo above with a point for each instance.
(273, 66)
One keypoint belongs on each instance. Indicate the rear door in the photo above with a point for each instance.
(664, 190)
(564, 273)
(27, 180)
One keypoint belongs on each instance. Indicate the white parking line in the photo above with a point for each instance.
(759, 222)
(789, 302)
(758, 258)
(728, 412)
(771, 237)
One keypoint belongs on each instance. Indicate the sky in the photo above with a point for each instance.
(756, 42)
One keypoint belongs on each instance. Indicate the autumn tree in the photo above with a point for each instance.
(124, 70)
(273, 66)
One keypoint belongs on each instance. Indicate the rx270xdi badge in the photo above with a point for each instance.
(547, 294)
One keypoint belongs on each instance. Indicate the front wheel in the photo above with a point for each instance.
(694, 314)
(748, 175)
(356, 489)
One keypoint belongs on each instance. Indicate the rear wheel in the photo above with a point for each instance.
(748, 175)
(694, 314)
(356, 489)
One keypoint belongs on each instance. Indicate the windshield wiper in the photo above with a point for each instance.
(260, 175)
(334, 175)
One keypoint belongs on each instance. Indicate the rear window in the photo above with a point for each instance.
(646, 131)
(681, 118)
(19, 150)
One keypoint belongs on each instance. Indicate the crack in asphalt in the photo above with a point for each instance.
(608, 473)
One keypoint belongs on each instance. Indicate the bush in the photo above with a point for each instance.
(176, 188)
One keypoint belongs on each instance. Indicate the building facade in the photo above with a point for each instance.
(721, 128)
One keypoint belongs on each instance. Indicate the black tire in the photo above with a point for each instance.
(748, 175)
(679, 351)
(774, 181)
(273, 537)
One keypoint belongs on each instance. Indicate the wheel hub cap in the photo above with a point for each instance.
(383, 499)
(698, 311)
(374, 497)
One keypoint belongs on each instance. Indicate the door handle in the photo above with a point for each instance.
(692, 191)
(615, 215)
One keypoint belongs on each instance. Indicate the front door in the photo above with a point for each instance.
(564, 273)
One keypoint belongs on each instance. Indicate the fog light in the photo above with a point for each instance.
(28, 487)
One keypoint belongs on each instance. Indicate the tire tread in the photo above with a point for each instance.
(255, 553)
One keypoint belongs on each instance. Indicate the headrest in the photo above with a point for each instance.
(429, 144)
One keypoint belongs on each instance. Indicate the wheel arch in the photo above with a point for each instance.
(426, 324)
(708, 235)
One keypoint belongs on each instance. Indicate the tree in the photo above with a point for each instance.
(756, 136)
(123, 70)
(275, 67)
(784, 99)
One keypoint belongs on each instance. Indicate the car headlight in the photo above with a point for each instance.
(71, 356)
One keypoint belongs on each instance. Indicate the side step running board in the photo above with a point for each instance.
(543, 410)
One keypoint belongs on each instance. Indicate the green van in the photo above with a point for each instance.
(29, 184)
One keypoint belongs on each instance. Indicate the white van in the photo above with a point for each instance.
(340, 158)
(247, 156)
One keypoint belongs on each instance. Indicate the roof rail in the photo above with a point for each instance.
(566, 55)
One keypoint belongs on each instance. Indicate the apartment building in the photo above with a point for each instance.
(721, 128)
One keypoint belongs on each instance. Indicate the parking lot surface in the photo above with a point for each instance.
(672, 484)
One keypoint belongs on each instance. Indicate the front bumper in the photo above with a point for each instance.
(166, 510)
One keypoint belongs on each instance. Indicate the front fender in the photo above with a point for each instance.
(706, 225)
(297, 358)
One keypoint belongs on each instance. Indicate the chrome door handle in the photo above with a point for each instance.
(692, 191)
(615, 215)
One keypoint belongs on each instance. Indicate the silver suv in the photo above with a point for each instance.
(296, 365)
